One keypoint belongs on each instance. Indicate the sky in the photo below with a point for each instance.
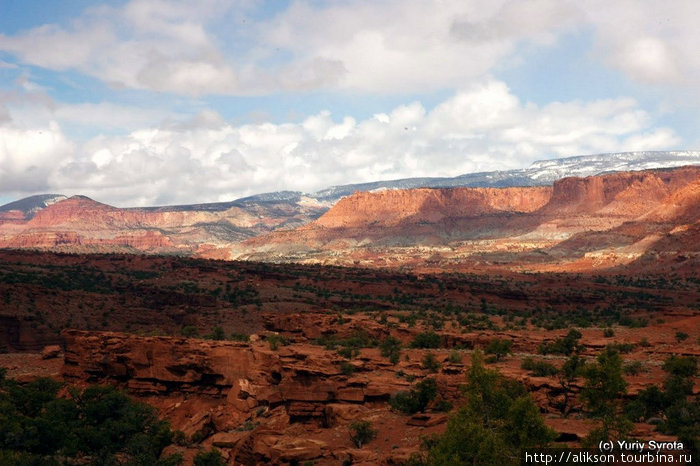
(155, 102)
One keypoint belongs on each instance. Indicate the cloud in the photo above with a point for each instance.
(652, 42)
(148, 44)
(413, 45)
(29, 156)
(394, 46)
(206, 158)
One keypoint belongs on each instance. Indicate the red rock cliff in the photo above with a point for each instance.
(392, 207)
(627, 194)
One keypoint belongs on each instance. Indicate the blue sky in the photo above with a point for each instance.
(145, 102)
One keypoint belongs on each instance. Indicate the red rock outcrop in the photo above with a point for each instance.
(81, 224)
(628, 194)
(579, 224)
(391, 207)
(270, 390)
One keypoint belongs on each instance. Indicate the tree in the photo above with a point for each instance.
(567, 345)
(426, 340)
(361, 433)
(681, 407)
(37, 427)
(570, 371)
(499, 348)
(497, 421)
(390, 348)
(430, 363)
(209, 458)
(603, 389)
(217, 334)
(416, 399)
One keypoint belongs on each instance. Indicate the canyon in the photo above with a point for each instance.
(299, 355)
(260, 327)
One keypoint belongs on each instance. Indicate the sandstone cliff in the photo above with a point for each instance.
(578, 224)
(81, 224)
(423, 205)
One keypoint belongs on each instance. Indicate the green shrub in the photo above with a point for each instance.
(210, 457)
(99, 422)
(217, 334)
(539, 368)
(622, 348)
(390, 348)
(498, 420)
(244, 337)
(566, 345)
(455, 357)
(430, 363)
(633, 368)
(189, 331)
(499, 348)
(417, 399)
(361, 433)
(346, 368)
(426, 340)
(274, 341)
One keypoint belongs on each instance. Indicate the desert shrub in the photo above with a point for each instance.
(608, 332)
(346, 368)
(37, 427)
(244, 337)
(539, 368)
(566, 345)
(210, 457)
(390, 348)
(633, 368)
(361, 433)
(426, 340)
(622, 348)
(455, 357)
(217, 334)
(416, 399)
(189, 331)
(348, 352)
(430, 363)
(498, 420)
(499, 348)
(274, 341)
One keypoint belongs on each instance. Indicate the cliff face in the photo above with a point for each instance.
(83, 213)
(227, 384)
(391, 207)
(578, 224)
(82, 224)
(628, 194)
(621, 212)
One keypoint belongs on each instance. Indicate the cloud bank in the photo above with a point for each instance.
(206, 158)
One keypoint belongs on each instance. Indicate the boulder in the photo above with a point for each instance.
(51, 352)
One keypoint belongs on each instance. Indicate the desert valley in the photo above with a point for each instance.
(367, 327)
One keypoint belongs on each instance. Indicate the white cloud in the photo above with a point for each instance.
(29, 156)
(410, 45)
(483, 127)
(653, 42)
(219, 47)
(148, 44)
